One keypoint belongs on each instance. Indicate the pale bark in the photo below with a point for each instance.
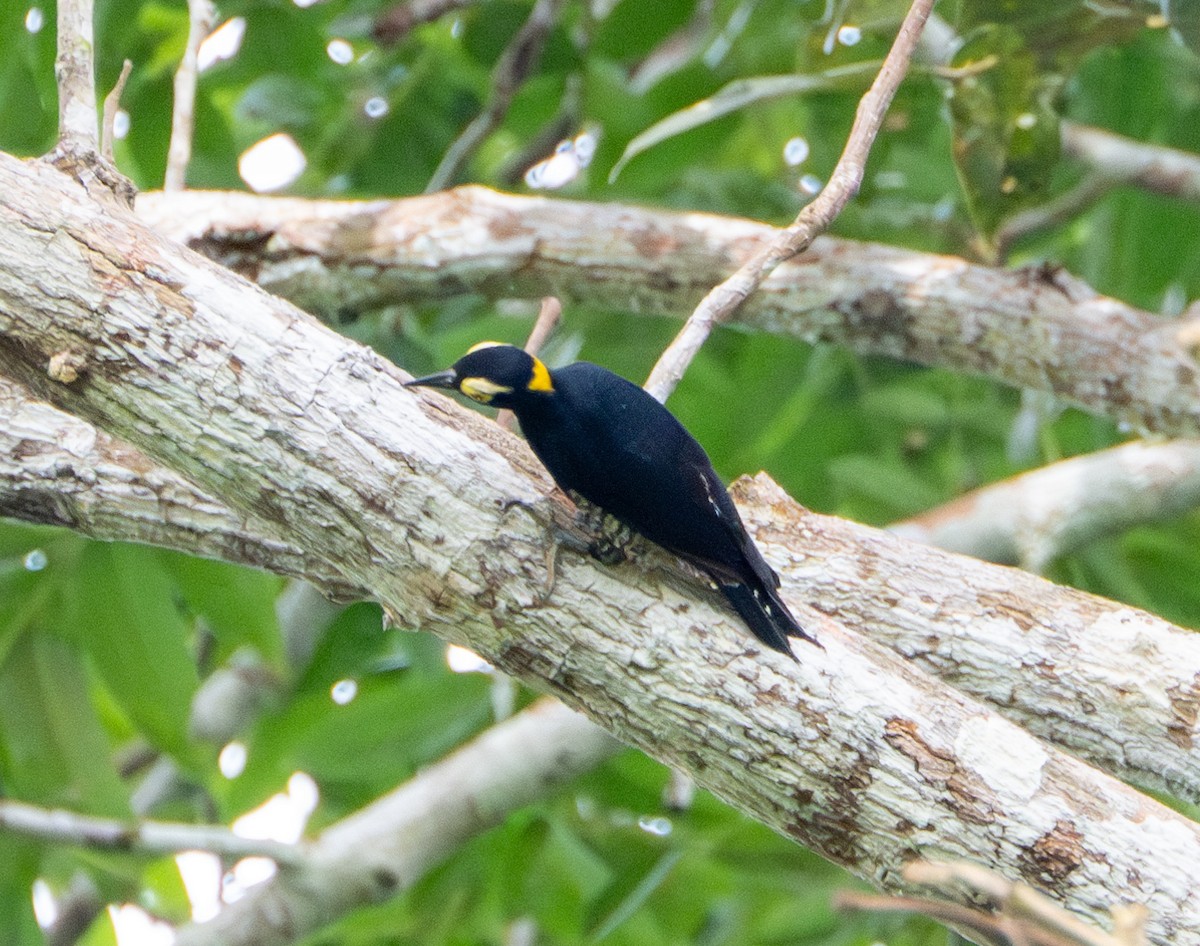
(1032, 519)
(59, 470)
(1156, 168)
(1059, 662)
(448, 522)
(1040, 328)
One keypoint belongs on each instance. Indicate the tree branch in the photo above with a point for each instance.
(950, 615)
(112, 103)
(385, 848)
(1166, 171)
(1033, 328)
(56, 469)
(201, 14)
(1032, 519)
(75, 72)
(447, 521)
(519, 58)
(720, 304)
(143, 837)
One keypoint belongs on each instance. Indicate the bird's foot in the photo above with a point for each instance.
(611, 537)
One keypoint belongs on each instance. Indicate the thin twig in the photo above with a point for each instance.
(395, 23)
(1053, 213)
(112, 102)
(146, 837)
(516, 63)
(547, 321)
(201, 15)
(1039, 919)
(723, 301)
(75, 71)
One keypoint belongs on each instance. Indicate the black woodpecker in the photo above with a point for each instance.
(612, 443)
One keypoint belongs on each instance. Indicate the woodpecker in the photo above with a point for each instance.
(607, 440)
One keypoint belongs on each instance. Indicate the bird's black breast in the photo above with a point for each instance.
(615, 445)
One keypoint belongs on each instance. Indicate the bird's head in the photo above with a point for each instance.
(492, 373)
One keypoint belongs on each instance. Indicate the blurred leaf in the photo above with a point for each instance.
(1060, 34)
(237, 603)
(739, 94)
(279, 101)
(19, 862)
(137, 639)
(52, 748)
(636, 895)
(1006, 137)
(1184, 16)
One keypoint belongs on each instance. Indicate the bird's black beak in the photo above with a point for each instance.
(443, 379)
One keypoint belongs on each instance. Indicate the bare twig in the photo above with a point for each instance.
(564, 124)
(675, 51)
(393, 24)
(112, 102)
(547, 321)
(1166, 171)
(723, 301)
(1037, 918)
(146, 837)
(1053, 213)
(77, 908)
(985, 927)
(201, 14)
(75, 70)
(516, 63)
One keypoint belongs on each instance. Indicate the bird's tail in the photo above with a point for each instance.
(765, 614)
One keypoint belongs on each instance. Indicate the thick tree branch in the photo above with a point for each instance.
(1037, 328)
(950, 615)
(1032, 519)
(1040, 639)
(59, 470)
(442, 516)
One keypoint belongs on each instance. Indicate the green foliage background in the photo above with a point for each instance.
(103, 648)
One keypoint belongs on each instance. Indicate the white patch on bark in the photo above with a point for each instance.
(1006, 757)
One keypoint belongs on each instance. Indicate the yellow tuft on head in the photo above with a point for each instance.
(482, 345)
(541, 378)
(481, 389)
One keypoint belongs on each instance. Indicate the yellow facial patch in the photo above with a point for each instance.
(541, 378)
(481, 389)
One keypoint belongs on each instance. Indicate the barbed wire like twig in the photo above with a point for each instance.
(724, 300)
(1001, 912)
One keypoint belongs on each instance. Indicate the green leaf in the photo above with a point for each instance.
(1060, 34)
(137, 637)
(53, 750)
(1006, 134)
(738, 95)
(637, 895)
(237, 603)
